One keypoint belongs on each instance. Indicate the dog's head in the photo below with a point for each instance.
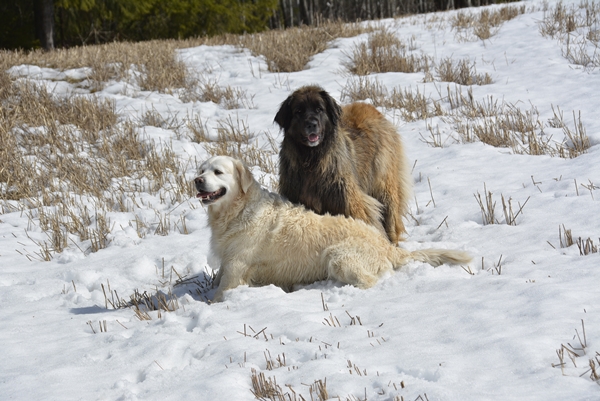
(309, 115)
(222, 179)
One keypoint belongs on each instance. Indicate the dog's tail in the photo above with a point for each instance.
(434, 257)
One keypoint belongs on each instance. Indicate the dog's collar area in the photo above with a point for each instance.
(210, 197)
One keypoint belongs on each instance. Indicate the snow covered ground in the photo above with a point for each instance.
(489, 331)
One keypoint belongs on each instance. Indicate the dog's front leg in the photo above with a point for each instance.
(217, 279)
(230, 275)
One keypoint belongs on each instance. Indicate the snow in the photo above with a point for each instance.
(488, 331)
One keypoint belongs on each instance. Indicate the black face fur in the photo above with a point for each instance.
(309, 116)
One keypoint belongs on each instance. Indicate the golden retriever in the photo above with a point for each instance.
(261, 238)
(347, 161)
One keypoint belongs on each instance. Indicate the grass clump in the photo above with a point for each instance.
(384, 52)
(483, 24)
(585, 246)
(264, 388)
(412, 104)
(488, 208)
(463, 72)
(202, 89)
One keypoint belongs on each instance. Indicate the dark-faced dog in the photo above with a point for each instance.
(347, 161)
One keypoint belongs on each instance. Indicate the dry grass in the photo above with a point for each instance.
(585, 246)
(590, 365)
(488, 209)
(151, 65)
(203, 89)
(363, 88)
(235, 139)
(385, 52)
(412, 104)
(505, 125)
(483, 24)
(264, 388)
(462, 72)
(68, 161)
(142, 303)
(576, 28)
(291, 49)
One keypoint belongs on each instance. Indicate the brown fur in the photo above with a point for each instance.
(356, 168)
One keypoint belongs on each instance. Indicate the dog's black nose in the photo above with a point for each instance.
(311, 126)
(199, 180)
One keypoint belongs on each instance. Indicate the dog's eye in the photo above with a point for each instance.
(318, 110)
(218, 172)
(298, 111)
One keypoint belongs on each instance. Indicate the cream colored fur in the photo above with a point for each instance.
(262, 239)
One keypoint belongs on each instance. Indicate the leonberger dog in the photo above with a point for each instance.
(261, 238)
(343, 160)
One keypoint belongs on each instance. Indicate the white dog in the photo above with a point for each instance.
(263, 239)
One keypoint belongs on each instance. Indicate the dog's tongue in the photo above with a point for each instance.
(313, 137)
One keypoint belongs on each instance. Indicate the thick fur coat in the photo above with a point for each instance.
(347, 161)
(261, 238)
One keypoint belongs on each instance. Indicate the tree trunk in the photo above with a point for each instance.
(288, 21)
(305, 14)
(44, 22)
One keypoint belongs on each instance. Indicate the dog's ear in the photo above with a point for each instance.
(334, 111)
(284, 115)
(244, 176)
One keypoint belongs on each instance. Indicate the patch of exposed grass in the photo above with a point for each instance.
(68, 161)
(462, 72)
(151, 65)
(363, 88)
(208, 90)
(412, 104)
(291, 49)
(483, 24)
(576, 28)
(505, 125)
(385, 52)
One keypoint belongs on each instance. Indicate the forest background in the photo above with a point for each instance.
(30, 24)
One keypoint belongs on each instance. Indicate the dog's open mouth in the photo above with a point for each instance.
(210, 197)
(313, 139)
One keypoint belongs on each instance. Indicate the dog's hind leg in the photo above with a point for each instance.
(366, 208)
(348, 263)
(393, 210)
